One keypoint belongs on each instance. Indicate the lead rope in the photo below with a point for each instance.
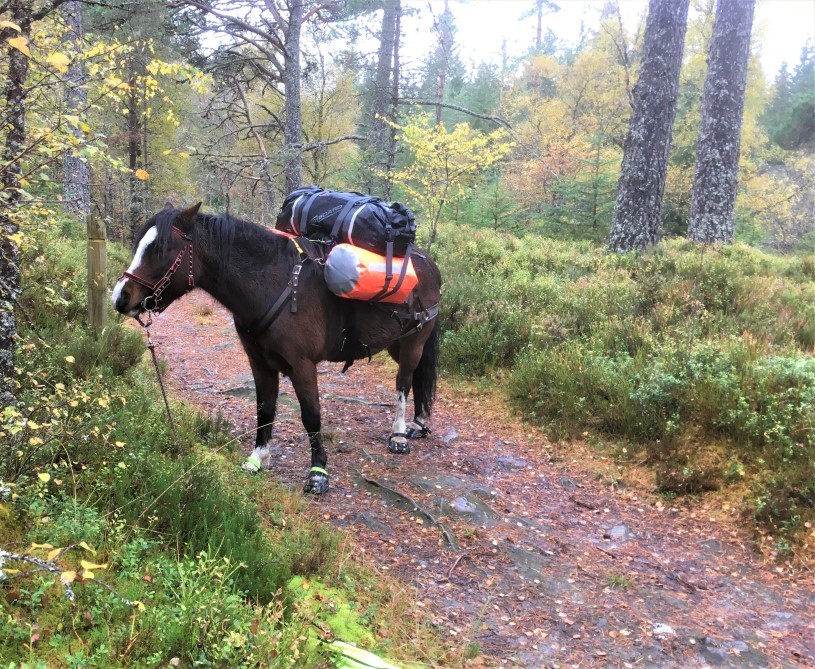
(151, 345)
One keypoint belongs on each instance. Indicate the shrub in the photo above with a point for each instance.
(698, 355)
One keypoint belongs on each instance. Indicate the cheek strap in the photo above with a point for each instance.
(157, 288)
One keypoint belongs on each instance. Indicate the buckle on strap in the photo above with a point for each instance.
(294, 282)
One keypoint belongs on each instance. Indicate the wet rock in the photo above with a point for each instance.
(371, 522)
(618, 533)
(239, 391)
(732, 654)
(510, 463)
(661, 629)
(471, 508)
(451, 434)
(462, 505)
(712, 546)
(781, 620)
(483, 492)
(344, 447)
(567, 484)
(437, 483)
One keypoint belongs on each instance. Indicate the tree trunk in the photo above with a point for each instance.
(293, 129)
(135, 204)
(14, 94)
(76, 173)
(394, 102)
(717, 154)
(445, 41)
(638, 210)
(382, 102)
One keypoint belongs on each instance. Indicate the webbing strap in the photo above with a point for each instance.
(335, 231)
(303, 223)
(382, 294)
(422, 318)
(287, 294)
(259, 326)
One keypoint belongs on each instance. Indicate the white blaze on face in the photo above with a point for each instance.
(149, 238)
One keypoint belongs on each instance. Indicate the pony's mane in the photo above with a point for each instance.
(215, 232)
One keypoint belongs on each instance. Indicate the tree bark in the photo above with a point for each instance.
(717, 156)
(14, 94)
(136, 201)
(638, 209)
(76, 173)
(293, 128)
(381, 103)
(391, 161)
(445, 41)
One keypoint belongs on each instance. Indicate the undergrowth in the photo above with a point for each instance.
(172, 560)
(700, 359)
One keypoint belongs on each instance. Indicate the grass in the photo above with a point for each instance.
(699, 360)
(168, 558)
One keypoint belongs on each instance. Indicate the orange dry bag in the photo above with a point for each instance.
(359, 274)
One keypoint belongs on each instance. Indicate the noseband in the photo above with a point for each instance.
(153, 301)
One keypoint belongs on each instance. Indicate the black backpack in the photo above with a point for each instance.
(349, 218)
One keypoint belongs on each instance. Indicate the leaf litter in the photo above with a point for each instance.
(531, 562)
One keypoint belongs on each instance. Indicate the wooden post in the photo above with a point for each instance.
(97, 275)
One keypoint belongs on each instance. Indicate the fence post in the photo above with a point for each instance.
(97, 274)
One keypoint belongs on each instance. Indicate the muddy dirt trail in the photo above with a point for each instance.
(538, 563)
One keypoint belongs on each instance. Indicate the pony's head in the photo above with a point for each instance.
(162, 265)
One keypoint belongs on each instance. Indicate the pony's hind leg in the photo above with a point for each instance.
(267, 386)
(304, 379)
(423, 383)
(408, 358)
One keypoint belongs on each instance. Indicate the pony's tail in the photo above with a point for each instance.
(426, 374)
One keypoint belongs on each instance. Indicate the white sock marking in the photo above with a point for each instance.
(399, 422)
(263, 455)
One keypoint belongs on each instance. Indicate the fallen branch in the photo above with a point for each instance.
(448, 537)
(455, 564)
(583, 505)
(603, 550)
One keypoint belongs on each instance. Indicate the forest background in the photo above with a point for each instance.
(695, 361)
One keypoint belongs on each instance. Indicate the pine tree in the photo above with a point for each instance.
(638, 208)
(717, 155)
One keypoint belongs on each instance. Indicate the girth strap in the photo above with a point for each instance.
(421, 318)
(286, 295)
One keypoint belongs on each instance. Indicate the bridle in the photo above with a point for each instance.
(152, 303)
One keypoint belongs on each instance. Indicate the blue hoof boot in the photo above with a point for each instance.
(317, 482)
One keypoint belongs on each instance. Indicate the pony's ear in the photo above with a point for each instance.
(186, 218)
(168, 205)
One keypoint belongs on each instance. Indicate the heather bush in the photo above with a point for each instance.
(678, 352)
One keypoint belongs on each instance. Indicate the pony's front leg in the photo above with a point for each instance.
(267, 385)
(304, 380)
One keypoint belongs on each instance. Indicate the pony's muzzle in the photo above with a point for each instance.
(122, 300)
(125, 299)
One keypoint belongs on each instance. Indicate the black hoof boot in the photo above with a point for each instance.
(416, 429)
(398, 443)
(317, 482)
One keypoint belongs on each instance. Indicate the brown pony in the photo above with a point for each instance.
(286, 318)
